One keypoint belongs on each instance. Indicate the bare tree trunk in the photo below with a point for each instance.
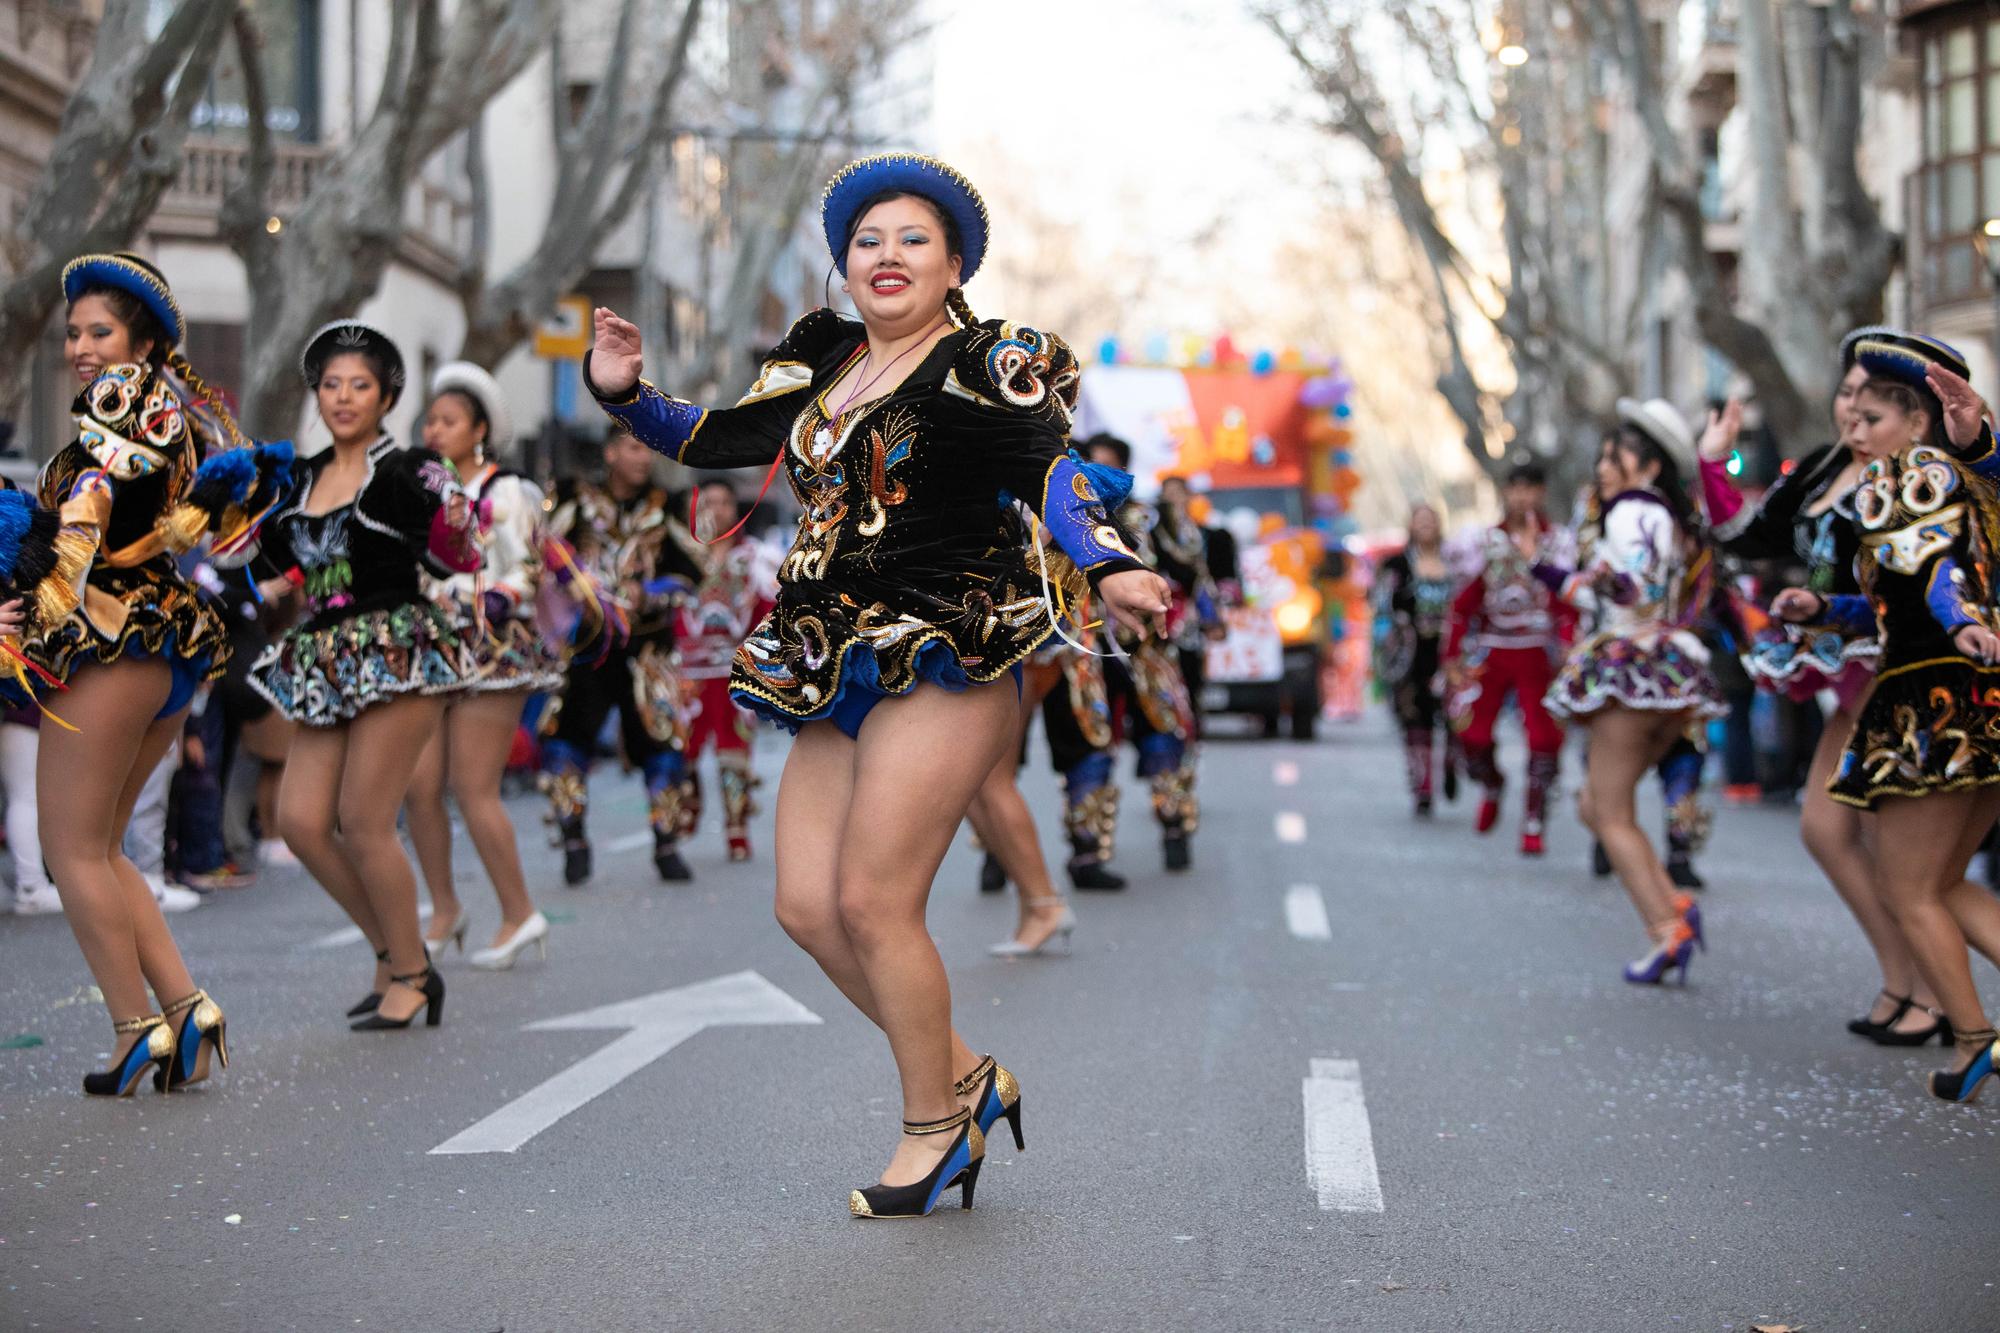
(331, 254)
(116, 153)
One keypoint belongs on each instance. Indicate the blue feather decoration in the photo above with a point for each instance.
(1112, 484)
(225, 477)
(16, 513)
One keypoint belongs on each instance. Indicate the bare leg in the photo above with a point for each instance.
(88, 780)
(813, 798)
(479, 729)
(382, 748)
(306, 814)
(1006, 827)
(1933, 843)
(1624, 746)
(1833, 834)
(429, 825)
(918, 762)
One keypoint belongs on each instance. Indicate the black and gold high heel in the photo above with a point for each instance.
(430, 984)
(995, 1094)
(373, 999)
(959, 1166)
(1963, 1085)
(155, 1046)
(204, 1029)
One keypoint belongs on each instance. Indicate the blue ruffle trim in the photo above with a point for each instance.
(861, 688)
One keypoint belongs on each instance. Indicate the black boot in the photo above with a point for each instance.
(1680, 869)
(1600, 860)
(992, 878)
(576, 852)
(1094, 875)
(667, 860)
(1178, 855)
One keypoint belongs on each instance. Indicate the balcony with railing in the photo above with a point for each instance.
(437, 217)
(1710, 73)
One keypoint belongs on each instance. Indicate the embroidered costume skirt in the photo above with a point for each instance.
(1925, 727)
(1658, 672)
(506, 655)
(136, 613)
(1798, 661)
(323, 677)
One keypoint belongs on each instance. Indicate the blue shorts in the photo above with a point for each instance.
(856, 701)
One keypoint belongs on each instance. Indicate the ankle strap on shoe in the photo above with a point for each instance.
(186, 1002)
(968, 1085)
(1980, 1037)
(944, 1126)
(139, 1024)
(414, 980)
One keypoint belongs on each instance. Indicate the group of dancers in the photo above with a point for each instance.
(949, 533)
(1898, 527)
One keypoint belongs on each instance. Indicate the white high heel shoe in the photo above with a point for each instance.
(456, 935)
(535, 931)
(1065, 926)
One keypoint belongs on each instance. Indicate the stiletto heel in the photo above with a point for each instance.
(1964, 1085)
(430, 984)
(204, 1027)
(373, 999)
(1065, 925)
(996, 1094)
(1673, 953)
(155, 1046)
(456, 935)
(958, 1166)
(535, 931)
(971, 1179)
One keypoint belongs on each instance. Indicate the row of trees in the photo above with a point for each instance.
(1503, 178)
(120, 145)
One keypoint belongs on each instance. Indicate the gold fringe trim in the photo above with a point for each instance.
(182, 527)
(62, 591)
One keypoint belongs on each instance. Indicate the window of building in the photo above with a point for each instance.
(1958, 187)
(289, 32)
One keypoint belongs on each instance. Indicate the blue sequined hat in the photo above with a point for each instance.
(351, 335)
(1854, 338)
(1906, 356)
(134, 276)
(858, 182)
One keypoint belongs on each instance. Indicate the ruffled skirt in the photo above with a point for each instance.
(507, 655)
(1799, 661)
(1662, 673)
(136, 614)
(1926, 727)
(323, 677)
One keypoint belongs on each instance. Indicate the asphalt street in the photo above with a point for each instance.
(1353, 1072)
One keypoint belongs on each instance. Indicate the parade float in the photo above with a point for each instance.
(1264, 440)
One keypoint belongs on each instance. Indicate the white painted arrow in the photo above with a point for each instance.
(657, 1023)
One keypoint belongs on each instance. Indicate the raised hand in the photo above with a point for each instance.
(1724, 426)
(1136, 598)
(12, 617)
(615, 362)
(1964, 409)
(1978, 643)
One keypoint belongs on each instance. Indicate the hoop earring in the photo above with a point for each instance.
(826, 290)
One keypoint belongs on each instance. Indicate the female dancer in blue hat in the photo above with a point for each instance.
(1925, 751)
(123, 632)
(1801, 519)
(910, 596)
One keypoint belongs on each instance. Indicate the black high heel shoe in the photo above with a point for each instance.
(155, 1046)
(373, 999)
(959, 1166)
(427, 981)
(1939, 1028)
(203, 1028)
(995, 1094)
(1964, 1085)
(1865, 1026)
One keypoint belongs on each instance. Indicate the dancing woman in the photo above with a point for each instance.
(1801, 519)
(1641, 680)
(469, 427)
(363, 671)
(1412, 604)
(1925, 753)
(904, 607)
(132, 643)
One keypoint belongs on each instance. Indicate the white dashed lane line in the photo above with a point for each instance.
(1340, 1150)
(1305, 913)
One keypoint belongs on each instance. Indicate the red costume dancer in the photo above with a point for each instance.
(1508, 631)
(738, 588)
